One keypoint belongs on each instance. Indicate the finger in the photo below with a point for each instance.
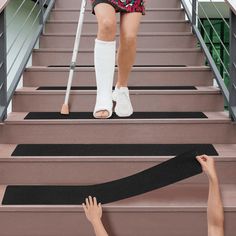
(84, 207)
(95, 201)
(200, 160)
(100, 205)
(204, 158)
(87, 202)
(90, 200)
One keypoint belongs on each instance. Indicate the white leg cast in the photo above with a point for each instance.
(104, 60)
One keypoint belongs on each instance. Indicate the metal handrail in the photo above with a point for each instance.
(218, 36)
(42, 16)
(222, 17)
(210, 41)
(229, 95)
(232, 5)
(3, 5)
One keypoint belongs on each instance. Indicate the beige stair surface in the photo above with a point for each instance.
(145, 40)
(151, 13)
(181, 57)
(76, 169)
(90, 26)
(202, 99)
(148, 215)
(218, 128)
(167, 55)
(85, 76)
(150, 4)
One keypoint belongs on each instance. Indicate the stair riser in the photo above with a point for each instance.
(141, 102)
(143, 133)
(92, 27)
(171, 58)
(75, 4)
(150, 15)
(71, 173)
(152, 78)
(143, 42)
(117, 223)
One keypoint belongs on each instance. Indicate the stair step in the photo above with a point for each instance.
(144, 40)
(56, 26)
(156, 76)
(182, 57)
(153, 212)
(110, 149)
(150, 4)
(202, 99)
(56, 88)
(51, 167)
(218, 128)
(135, 115)
(151, 14)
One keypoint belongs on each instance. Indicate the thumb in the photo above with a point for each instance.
(201, 161)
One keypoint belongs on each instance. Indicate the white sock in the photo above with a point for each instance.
(104, 61)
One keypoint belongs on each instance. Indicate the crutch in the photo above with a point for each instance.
(65, 106)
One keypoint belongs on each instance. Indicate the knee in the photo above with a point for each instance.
(107, 28)
(128, 40)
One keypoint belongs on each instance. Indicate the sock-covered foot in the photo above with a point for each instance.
(123, 106)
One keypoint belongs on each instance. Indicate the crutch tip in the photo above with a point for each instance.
(65, 109)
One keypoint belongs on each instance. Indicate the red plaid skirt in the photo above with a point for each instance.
(123, 5)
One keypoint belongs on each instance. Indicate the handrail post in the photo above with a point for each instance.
(3, 66)
(194, 10)
(41, 6)
(232, 98)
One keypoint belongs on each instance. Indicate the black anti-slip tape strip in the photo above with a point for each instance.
(135, 115)
(130, 88)
(117, 66)
(176, 169)
(110, 149)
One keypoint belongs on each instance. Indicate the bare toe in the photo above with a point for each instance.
(102, 114)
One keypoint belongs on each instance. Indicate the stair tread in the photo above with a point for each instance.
(95, 22)
(91, 68)
(227, 153)
(147, 9)
(186, 197)
(213, 117)
(151, 50)
(139, 34)
(200, 90)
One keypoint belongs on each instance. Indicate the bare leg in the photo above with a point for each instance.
(106, 17)
(129, 25)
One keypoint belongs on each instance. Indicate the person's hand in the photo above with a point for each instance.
(93, 211)
(208, 166)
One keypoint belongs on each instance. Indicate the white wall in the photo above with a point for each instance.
(209, 8)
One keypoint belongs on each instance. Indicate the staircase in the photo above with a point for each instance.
(175, 103)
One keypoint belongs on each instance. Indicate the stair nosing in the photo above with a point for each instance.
(141, 50)
(117, 121)
(101, 159)
(95, 22)
(201, 91)
(167, 69)
(122, 208)
(147, 9)
(139, 34)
